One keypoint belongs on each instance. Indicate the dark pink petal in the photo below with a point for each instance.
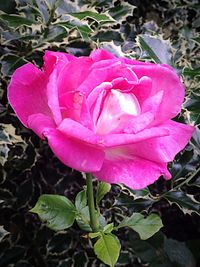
(74, 73)
(112, 140)
(52, 94)
(73, 153)
(143, 89)
(165, 148)
(27, 92)
(136, 173)
(77, 108)
(101, 54)
(76, 130)
(123, 84)
(106, 74)
(166, 80)
(55, 59)
(40, 123)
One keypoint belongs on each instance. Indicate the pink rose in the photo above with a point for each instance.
(105, 115)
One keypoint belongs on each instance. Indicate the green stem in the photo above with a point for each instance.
(90, 197)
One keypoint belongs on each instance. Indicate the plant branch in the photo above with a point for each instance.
(90, 197)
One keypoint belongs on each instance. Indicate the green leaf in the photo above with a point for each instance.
(145, 227)
(15, 21)
(58, 211)
(192, 104)
(83, 219)
(102, 189)
(108, 228)
(178, 253)
(84, 29)
(192, 73)
(81, 200)
(107, 249)
(92, 15)
(158, 49)
(3, 233)
(186, 202)
(10, 62)
(94, 235)
(122, 11)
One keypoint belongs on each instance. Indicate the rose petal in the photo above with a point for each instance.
(77, 108)
(165, 148)
(74, 154)
(40, 123)
(106, 74)
(55, 59)
(52, 94)
(100, 54)
(76, 130)
(166, 80)
(27, 92)
(135, 173)
(74, 73)
(112, 140)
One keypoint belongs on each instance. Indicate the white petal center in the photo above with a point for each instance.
(117, 108)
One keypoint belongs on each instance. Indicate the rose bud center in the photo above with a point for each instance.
(117, 108)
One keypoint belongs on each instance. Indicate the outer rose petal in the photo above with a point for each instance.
(56, 59)
(40, 123)
(74, 74)
(27, 92)
(101, 54)
(166, 80)
(136, 173)
(76, 130)
(74, 154)
(52, 94)
(165, 148)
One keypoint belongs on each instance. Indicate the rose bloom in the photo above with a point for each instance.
(105, 115)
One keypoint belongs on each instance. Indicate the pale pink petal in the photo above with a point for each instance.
(116, 109)
(165, 148)
(136, 124)
(40, 123)
(73, 153)
(166, 80)
(135, 173)
(55, 59)
(27, 92)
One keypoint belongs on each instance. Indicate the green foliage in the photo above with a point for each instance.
(158, 49)
(159, 251)
(107, 248)
(168, 33)
(57, 211)
(145, 227)
(102, 189)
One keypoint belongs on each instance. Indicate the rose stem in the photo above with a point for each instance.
(90, 197)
